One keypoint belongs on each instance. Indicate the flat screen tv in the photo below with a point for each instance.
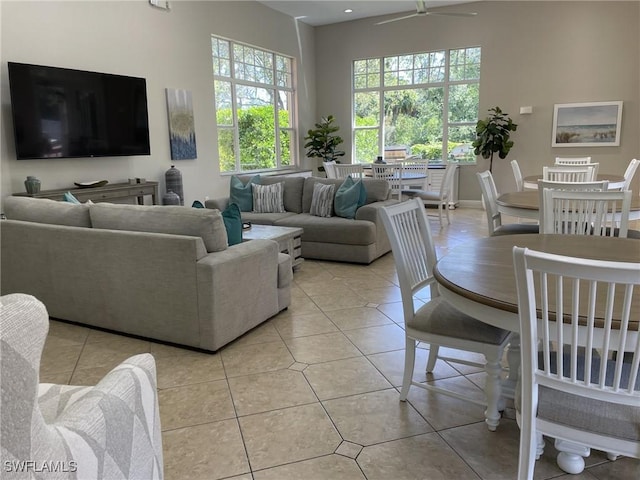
(64, 113)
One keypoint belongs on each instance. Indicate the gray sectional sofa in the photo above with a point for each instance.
(163, 273)
(359, 240)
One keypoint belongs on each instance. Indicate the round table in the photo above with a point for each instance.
(479, 274)
(615, 181)
(478, 278)
(526, 204)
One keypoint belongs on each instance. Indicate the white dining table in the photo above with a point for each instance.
(478, 278)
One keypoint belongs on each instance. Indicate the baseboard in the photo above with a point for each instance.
(470, 204)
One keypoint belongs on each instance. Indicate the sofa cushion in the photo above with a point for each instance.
(377, 190)
(233, 223)
(322, 200)
(350, 196)
(42, 210)
(268, 198)
(240, 192)
(332, 230)
(292, 191)
(176, 220)
(265, 218)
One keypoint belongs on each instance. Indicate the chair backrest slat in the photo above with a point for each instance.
(392, 174)
(586, 212)
(343, 170)
(413, 249)
(582, 173)
(588, 353)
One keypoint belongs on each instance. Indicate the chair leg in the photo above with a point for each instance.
(446, 207)
(493, 392)
(440, 214)
(529, 447)
(433, 357)
(571, 456)
(409, 362)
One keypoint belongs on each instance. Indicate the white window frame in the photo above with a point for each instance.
(234, 81)
(381, 89)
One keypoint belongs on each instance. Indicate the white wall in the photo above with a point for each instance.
(533, 53)
(169, 49)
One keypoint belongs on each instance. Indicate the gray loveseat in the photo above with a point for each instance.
(359, 240)
(108, 266)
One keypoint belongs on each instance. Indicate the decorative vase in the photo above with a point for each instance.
(173, 179)
(170, 198)
(32, 184)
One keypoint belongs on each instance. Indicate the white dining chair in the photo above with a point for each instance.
(517, 175)
(629, 173)
(392, 173)
(601, 186)
(583, 173)
(415, 175)
(343, 170)
(494, 217)
(437, 323)
(438, 198)
(570, 212)
(579, 379)
(329, 169)
(573, 161)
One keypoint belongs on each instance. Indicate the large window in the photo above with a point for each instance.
(254, 104)
(424, 104)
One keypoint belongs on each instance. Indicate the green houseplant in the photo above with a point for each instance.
(492, 135)
(322, 141)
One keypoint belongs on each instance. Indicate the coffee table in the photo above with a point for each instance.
(289, 239)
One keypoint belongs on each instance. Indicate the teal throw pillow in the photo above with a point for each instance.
(233, 223)
(68, 197)
(349, 197)
(197, 204)
(241, 194)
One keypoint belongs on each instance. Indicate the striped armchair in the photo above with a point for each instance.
(108, 431)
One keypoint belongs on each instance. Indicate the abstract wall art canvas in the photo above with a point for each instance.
(182, 135)
(595, 124)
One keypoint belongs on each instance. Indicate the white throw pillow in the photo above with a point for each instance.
(268, 198)
(322, 200)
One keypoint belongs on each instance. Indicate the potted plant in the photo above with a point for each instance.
(322, 143)
(492, 135)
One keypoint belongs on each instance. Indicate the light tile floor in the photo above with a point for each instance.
(313, 392)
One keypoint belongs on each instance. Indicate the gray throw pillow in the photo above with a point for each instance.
(322, 200)
(268, 198)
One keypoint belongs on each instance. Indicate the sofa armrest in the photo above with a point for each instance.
(371, 212)
(218, 203)
(237, 290)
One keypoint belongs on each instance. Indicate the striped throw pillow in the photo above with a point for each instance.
(268, 198)
(322, 200)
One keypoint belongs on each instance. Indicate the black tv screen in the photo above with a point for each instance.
(64, 113)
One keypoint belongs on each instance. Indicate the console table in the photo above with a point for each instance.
(107, 193)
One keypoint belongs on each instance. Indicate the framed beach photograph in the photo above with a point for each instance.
(595, 124)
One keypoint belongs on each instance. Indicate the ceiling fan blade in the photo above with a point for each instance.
(452, 14)
(398, 18)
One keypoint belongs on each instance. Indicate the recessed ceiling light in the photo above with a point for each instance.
(348, 10)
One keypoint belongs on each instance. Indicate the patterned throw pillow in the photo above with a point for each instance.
(268, 198)
(322, 200)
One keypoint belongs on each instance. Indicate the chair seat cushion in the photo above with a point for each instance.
(439, 318)
(516, 228)
(587, 414)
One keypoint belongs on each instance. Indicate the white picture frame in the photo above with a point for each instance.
(594, 124)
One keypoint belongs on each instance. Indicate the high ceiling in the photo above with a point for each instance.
(324, 12)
